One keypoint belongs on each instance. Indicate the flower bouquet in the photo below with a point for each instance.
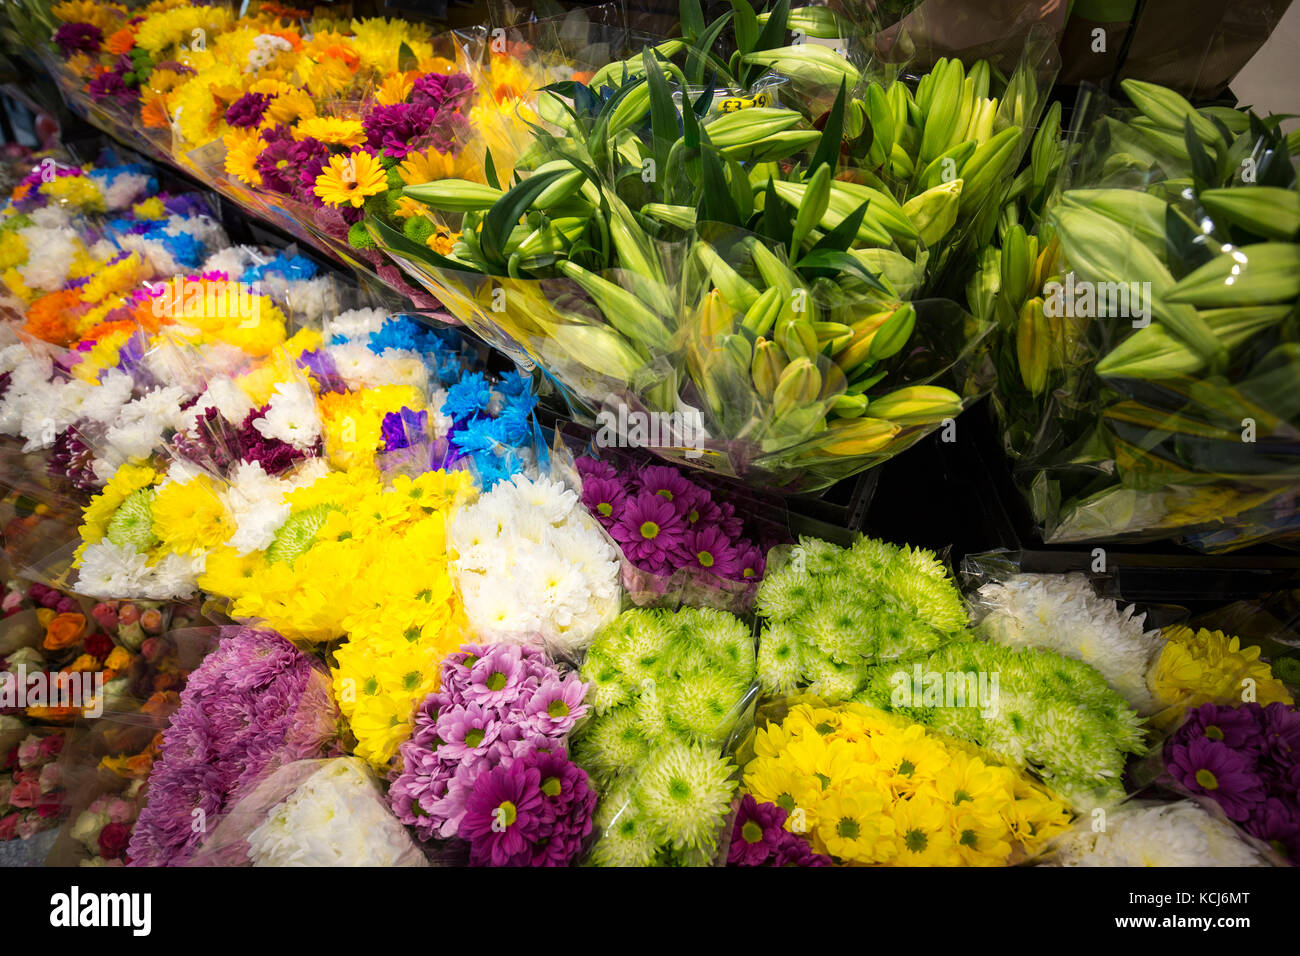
(312, 813)
(32, 798)
(855, 786)
(531, 566)
(1141, 833)
(682, 540)
(1146, 329)
(487, 766)
(255, 704)
(669, 693)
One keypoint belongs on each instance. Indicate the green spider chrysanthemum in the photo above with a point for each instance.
(132, 524)
(685, 792)
(298, 533)
(780, 666)
(702, 706)
(611, 743)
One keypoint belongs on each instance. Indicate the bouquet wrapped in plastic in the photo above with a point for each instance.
(312, 813)
(846, 784)
(670, 692)
(719, 273)
(1148, 332)
(255, 704)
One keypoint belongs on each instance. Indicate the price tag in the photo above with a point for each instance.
(733, 103)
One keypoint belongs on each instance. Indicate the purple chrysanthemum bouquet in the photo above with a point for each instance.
(1247, 760)
(681, 540)
(487, 763)
(253, 705)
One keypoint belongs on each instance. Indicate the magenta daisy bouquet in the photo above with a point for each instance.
(254, 704)
(681, 539)
(487, 763)
(1247, 760)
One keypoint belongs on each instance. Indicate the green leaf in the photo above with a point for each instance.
(505, 214)
(597, 134)
(747, 29)
(406, 59)
(828, 147)
(716, 203)
(408, 248)
(692, 16)
(778, 217)
(831, 262)
(664, 122)
(490, 171)
(1203, 167)
(843, 235)
(741, 192)
(773, 33)
(699, 55)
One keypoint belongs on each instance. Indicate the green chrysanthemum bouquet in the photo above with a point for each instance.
(834, 613)
(667, 691)
(1034, 707)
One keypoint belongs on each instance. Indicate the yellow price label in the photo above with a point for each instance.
(733, 103)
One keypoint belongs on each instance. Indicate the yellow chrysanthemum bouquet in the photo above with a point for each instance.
(859, 786)
(356, 560)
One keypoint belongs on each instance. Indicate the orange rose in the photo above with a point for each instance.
(86, 662)
(64, 631)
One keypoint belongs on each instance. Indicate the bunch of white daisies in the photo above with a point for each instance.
(1062, 612)
(531, 565)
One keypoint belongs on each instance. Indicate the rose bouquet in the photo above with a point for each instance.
(253, 705)
(667, 692)
(531, 566)
(862, 787)
(31, 788)
(487, 764)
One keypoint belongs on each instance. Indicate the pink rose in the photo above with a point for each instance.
(52, 745)
(51, 777)
(26, 794)
(105, 615)
(12, 602)
(152, 621)
(29, 750)
(128, 614)
(9, 826)
(28, 828)
(152, 649)
(99, 805)
(121, 811)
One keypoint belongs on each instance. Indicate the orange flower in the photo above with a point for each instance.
(120, 42)
(53, 317)
(291, 37)
(20, 191)
(153, 112)
(339, 52)
(64, 631)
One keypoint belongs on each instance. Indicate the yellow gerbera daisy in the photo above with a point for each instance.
(242, 150)
(350, 179)
(292, 107)
(332, 130)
